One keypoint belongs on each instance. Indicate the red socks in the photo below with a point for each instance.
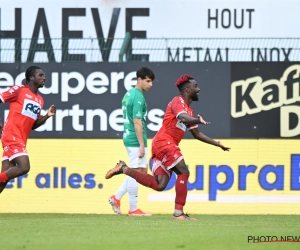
(149, 181)
(142, 178)
(3, 177)
(181, 190)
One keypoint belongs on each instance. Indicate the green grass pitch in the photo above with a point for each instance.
(96, 231)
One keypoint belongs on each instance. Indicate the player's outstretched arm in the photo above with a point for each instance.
(201, 120)
(40, 121)
(187, 119)
(202, 137)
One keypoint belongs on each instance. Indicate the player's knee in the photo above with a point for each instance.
(186, 171)
(25, 169)
(181, 170)
(162, 182)
(162, 186)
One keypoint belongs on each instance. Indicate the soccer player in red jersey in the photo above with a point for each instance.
(166, 154)
(24, 115)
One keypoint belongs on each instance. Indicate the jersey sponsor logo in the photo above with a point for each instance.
(181, 125)
(31, 109)
(29, 96)
(140, 103)
(138, 114)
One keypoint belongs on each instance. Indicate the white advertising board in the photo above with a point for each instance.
(80, 20)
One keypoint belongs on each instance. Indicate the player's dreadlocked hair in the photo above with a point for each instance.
(182, 80)
(30, 72)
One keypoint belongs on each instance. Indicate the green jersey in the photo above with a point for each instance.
(134, 107)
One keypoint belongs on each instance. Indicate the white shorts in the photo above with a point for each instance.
(134, 160)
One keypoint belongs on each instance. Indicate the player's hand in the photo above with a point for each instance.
(51, 110)
(142, 152)
(202, 120)
(223, 147)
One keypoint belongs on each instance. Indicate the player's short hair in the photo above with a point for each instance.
(182, 81)
(30, 72)
(144, 72)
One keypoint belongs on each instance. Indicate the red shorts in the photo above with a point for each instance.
(165, 159)
(13, 151)
(159, 169)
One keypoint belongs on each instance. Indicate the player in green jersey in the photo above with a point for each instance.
(134, 108)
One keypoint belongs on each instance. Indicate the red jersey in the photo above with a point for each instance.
(25, 108)
(173, 129)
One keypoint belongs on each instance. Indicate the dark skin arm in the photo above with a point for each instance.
(186, 119)
(202, 137)
(39, 122)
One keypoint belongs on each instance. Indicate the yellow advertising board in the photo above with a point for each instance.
(67, 176)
